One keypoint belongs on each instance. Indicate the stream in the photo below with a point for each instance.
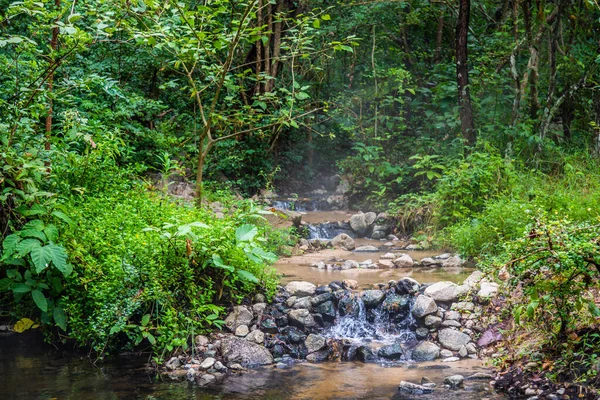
(31, 369)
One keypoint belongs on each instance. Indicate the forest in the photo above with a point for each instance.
(473, 125)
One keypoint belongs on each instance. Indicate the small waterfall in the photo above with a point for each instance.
(329, 230)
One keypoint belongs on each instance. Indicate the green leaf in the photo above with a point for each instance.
(62, 216)
(60, 318)
(10, 244)
(247, 276)
(5, 284)
(151, 338)
(21, 288)
(145, 319)
(316, 24)
(40, 300)
(246, 233)
(302, 96)
(41, 256)
(26, 246)
(326, 17)
(33, 233)
(51, 232)
(218, 262)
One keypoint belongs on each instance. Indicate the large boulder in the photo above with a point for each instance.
(391, 352)
(300, 288)
(301, 319)
(359, 224)
(344, 241)
(453, 339)
(241, 315)
(442, 291)
(426, 351)
(424, 305)
(404, 261)
(453, 262)
(314, 343)
(407, 285)
(372, 298)
(244, 352)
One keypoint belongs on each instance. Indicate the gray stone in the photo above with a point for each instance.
(219, 366)
(451, 359)
(322, 298)
(318, 356)
(471, 348)
(205, 380)
(414, 247)
(449, 323)
(408, 285)
(290, 301)
(488, 290)
(423, 306)
(259, 298)
(207, 363)
(372, 298)
(426, 351)
(344, 241)
(452, 315)
(444, 256)
(391, 352)
(463, 306)
(473, 280)
(327, 310)
(240, 315)
(388, 256)
(480, 376)
(256, 336)
(301, 318)
(453, 339)
(463, 352)
(432, 321)
(303, 302)
(430, 262)
(300, 288)
(241, 330)
(453, 262)
(350, 264)
(422, 333)
(366, 249)
(442, 291)
(359, 224)
(377, 234)
(395, 303)
(446, 353)
(370, 218)
(454, 381)
(407, 388)
(173, 363)
(314, 343)
(404, 261)
(259, 308)
(239, 351)
(201, 340)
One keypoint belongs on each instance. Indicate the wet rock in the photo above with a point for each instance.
(318, 356)
(319, 265)
(301, 319)
(241, 331)
(378, 234)
(372, 298)
(426, 351)
(391, 352)
(207, 363)
(314, 343)
(344, 241)
(348, 305)
(488, 290)
(240, 315)
(366, 249)
(453, 339)
(407, 286)
(432, 321)
(300, 288)
(365, 354)
(259, 308)
(394, 303)
(173, 363)
(454, 381)
(408, 388)
(359, 224)
(422, 333)
(446, 353)
(327, 310)
(453, 262)
(404, 261)
(350, 264)
(442, 291)
(294, 335)
(424, 305)
(205, 380)
(431, 262)
(322, 290)
(321, 298)
(480, 376)
(256, 336)
(350, 284)
(304, 302)
(269, 325)
(244, 352)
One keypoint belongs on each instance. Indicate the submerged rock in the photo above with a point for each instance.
(413, 388)
(454, 381)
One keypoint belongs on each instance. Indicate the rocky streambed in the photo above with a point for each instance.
(398, 323)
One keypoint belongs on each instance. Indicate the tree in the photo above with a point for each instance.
(462, 73)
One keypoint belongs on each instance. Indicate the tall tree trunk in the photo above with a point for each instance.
(438, 38)
(462, 73)
(54, 47)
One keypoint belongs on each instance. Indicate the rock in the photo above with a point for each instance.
(219, 366)
(388, 256)
(314, 343)
(241, 331)
(259, 308)
(366, 249)
(463, 352)
(291, 301)
(321, 298)
(446, 353)
(430, 262)
(442, 291)
(463, 306)
(451, 359)
(300, 288)
(391, 352)
(372, 298)
(404, 261)
(450, 324)
(413, 247)
(454, 381)
(235, 350)
(422, 333)
(259, 298)
(365, 354)
(378, 234)
(344, 241)
(432, 321)
(294, 335)
(488, 290)
(327, 310)
(207, 363)
(423, 306)
(370, 218)
(173, 363)
(453, 262)
(473, 280)
(471, 348)
(350, 264)
(480, 376)
(350, 284)
(407, 286)
(240, 315)
(201, 340)
(394, 303)
(444, 256)
(343, 186)
(358, 223)
(205, 380)
(319, 265)
(318, 356)
(453, 339)
(386, 264)
(256, 336)
(407, 388)
(452, 315)
(301, 318)
(303, 302)
(426, 351)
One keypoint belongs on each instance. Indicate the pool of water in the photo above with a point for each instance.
(32, 370)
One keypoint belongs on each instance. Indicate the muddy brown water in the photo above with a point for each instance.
(31, 370)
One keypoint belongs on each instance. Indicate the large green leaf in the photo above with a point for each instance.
(41, 257)
(40, 300)
(62, 216)
(246, 232)
(26, 246)
(21, 288)
(10, 244)
(51, 232)
(33, 233)
(247, 276)
(60, 318)
(218, 262)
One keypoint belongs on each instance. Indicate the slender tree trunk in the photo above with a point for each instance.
(462, 73)
(54, 47)
(202, 153)
(438, 38)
